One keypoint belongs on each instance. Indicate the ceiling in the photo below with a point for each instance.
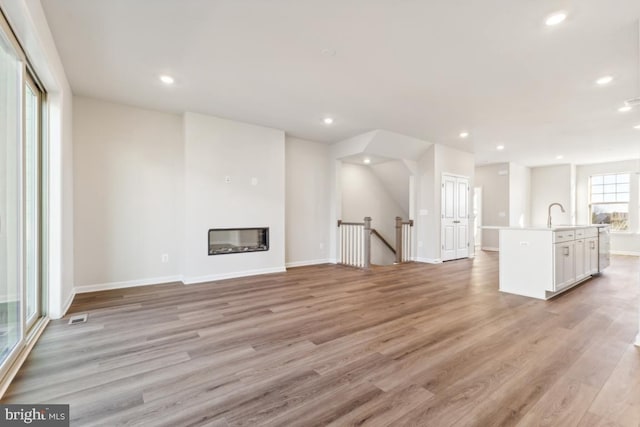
(425, 68)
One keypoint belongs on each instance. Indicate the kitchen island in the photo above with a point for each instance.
(541, 262)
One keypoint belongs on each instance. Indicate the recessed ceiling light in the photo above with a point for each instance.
(559, 157)
(625, 109)
(464, 134)
(366, 161)
(500, 147)
(604, 80)
(637, 127)
(327, 120)
(168, 80)
(555, 18)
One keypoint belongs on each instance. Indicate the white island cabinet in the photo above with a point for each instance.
(543, 262)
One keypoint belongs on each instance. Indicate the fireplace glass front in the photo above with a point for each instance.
(238, 240)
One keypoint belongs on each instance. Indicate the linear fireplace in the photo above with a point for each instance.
(238, 240)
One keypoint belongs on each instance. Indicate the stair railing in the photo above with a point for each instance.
(355, 243)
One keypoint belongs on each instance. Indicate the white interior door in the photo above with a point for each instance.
(455, 217)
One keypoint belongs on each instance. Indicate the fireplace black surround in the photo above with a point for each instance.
(238, 240)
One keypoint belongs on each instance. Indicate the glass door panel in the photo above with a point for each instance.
(10, 212)
(32, 201)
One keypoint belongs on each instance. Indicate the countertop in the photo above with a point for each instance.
(538, 228)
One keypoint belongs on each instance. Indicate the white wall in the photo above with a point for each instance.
(128, 193)
(307, 199)
(550, 184)
(519, 195)
(214, 149)
(363, 194)
(494, 180)
(427, 221)
(395, 176)
(151, 183)
(625, 243)
(28, 22)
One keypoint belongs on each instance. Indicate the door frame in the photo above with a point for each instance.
(29, 81)
(468, 179)
(477, 217)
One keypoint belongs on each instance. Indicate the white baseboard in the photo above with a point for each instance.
(66, 306)
(126, 284)
(490, 249)
(309, 262)
(234, 275)
(628, 253)
(171, 279)
(429, 260)
(60, 312)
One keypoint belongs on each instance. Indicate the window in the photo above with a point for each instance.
(609, 200)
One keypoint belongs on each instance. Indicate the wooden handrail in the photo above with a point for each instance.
(379, 236)
(341, 222)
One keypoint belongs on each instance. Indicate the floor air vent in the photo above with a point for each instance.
(80, 318)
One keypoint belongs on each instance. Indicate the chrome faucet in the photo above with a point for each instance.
(549, 215)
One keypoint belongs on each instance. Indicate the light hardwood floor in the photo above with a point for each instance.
(415, 344)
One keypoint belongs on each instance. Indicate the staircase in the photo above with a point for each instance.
(356, 240)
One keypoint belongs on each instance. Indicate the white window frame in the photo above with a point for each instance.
(629, 228)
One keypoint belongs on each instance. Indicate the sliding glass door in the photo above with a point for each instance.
(21, 200)
(11, 331)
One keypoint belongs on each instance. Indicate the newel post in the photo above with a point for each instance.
(398, 240)
(367, 242)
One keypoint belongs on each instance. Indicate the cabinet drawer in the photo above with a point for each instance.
(563, 236)
(580, 233)
(591, 232)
